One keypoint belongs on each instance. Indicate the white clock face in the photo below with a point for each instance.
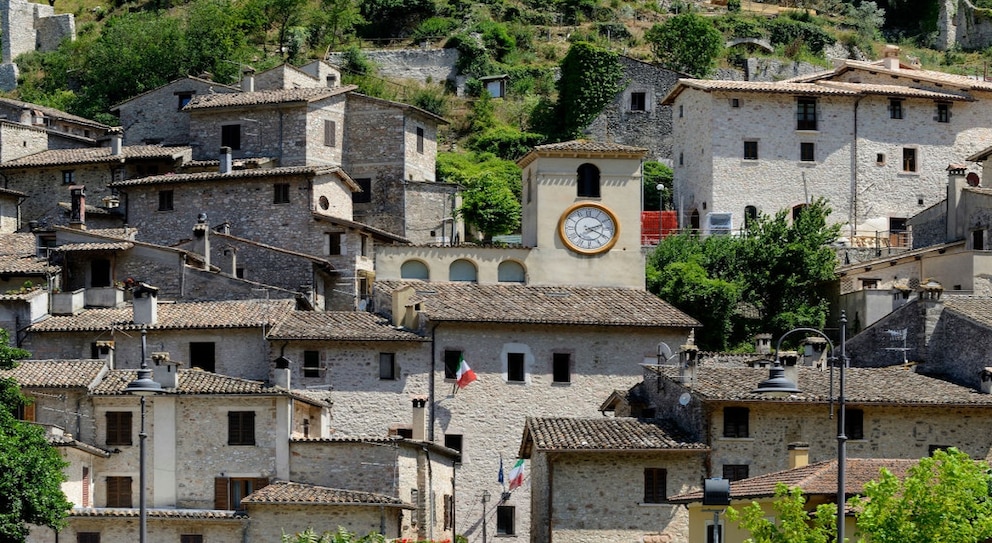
(588, 228)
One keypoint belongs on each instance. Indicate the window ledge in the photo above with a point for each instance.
(561, 383)
(724, 438)
(646, 504)
(808, 132)
(908, 174)
(807, 164)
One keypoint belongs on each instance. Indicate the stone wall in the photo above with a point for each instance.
(18, 140)
(959, 348)
(271, 522)
(27, 26)
(867, 349)
(160, 530)
(929, 227)
(156, 116)
(961, 25)
(421, 65)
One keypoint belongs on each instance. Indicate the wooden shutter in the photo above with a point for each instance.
(86, 486)
(119, 492)
(221, 499)
(29, 414)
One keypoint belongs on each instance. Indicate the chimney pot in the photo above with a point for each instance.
(77, 215)
(145, 304)
(116, 139)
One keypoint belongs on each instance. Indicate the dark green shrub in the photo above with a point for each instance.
(785, 31)
(434, 28)
(613, 31)
(505, 142)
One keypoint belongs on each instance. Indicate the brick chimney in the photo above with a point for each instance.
(798, 455)
(201, 239)
(145, 304)
(166, 371)
(248, 79)
(77, 215)
(116, 137)
(419, 418)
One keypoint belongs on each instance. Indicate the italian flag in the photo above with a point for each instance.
(517, 474)
(465, 375)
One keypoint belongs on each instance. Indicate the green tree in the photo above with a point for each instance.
(491, 199)
(687, 286)
(590, 79)
(944, 498)
(215, 36)
(687, 42)
(335, 22)
(31, 473)
(792, 523)
(656, 173)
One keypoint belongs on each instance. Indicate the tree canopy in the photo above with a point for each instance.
(31, 473)
(491, 199)
(792, 523)
(687, 42)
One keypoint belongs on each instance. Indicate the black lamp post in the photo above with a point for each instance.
(143, 387)
(777, 383)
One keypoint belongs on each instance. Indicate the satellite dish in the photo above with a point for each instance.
(684, 399)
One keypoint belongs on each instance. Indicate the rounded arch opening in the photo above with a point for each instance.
(463, 270)
(511, 271)
(415, 269)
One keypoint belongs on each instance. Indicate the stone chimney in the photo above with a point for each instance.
(815, 352)
(890, 57)
(688, 363)
(27, 116)
(763, 343)
(230, 264)
(404, 311)
(145, 304)
(105, 352)
(166, 372)
(956, 182)
(419, 418)
(225, 160)
(116, 137)
(77, 214)
(281, 373)
(798, 455)
(790, 361)
(201, 239)
(248, 79)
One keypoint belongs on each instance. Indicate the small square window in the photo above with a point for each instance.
(333, 240)
(735, 422)
(561, 367)
(735, 472)
(166, 200)
(505, 521)
(311, 363)
(452, 359)
(88, 537)
(387, 366)
(68, 177)
(280, 193)
(230, 136)
(191, 538)
(869, 284)
(943, 113)
(750, 150)
(638, 101)
(909, 159)
(202, 354)
(807, 151)
(880, 159)
(515, 367)
(119, 425)
(895, 108)
(119, 492)
(184, 98)
(655, 482)
(241, 428)
(735, 102)
(454, 441)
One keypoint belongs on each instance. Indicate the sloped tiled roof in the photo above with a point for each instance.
(864, 386)
(174, 316)
(54, 113)
(340, 326)
(11, 192)
(603, 434)
(900, 90)
(19, 243)
(376, 232)
(975, 308)
(594, 306)
(95, 155)
(257, 98)
(819, 478)
(215, 85)
(234, 175)
(904, 71)
(191, 514)
(96, 246)
(25, 265)
(286, 493)
(582, 148)
(56, 373)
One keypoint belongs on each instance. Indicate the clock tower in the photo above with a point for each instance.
(581, 214)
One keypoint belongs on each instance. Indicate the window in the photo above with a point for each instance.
(119, 492)
(735, 472)
(515, 367)
(100, 273)
(588, 181)
(228, 492)
(869, 283)
(241, 428)
(943, 113)
(750, 215)
(68, 177)
(934, 448)
(750, 150)
(280, 193)
(453, 441)
(735, 422)
(191, 538)
(333, 240)
(908, 159)
(978, 240)
(895, 108)
(451, 361)
(414, 269)
(311, 363)
(714, 533)
(681, 159)
(330, 133)
(230, 136)
(681, 111)
(807, 151)
(880, 159)
(365, 196)
(638, 101)
(387, 366)
(735, 102)
(202, 355)
(184, 98)
(88, 537)
(166, 200)
(119, 428)
(854, 424)
(561, 367)
(655, 481)
(806, 114)
(420, 140)
(505, 521)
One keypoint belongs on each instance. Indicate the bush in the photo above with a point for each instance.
(432, 99)
(355, 62)
(505, 142)
(434, 28)
(735, 26)
(613, 31)
(734, 6)
(785, 31)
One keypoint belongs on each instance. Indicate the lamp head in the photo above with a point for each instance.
(777, 383)
(144, 385)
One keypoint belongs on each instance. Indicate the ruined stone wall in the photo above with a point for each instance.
(27, 26)
(961, 24)
(422, 65)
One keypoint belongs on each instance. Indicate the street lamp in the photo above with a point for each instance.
(143, 387)
(777, 383)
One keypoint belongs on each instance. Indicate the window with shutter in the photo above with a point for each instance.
(119, 492)
(119, 428)
(241, 428)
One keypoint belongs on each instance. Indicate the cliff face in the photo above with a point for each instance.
(962, 24)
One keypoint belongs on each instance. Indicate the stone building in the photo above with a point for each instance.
(10, 210)
(873, 138)
(28, 26)
(157, 116)
(316, 73)
(64, 130)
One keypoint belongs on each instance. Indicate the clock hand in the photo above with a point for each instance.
(588, 228)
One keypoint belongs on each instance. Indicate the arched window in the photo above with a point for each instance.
(588, 181)
(510, 272)
(415, 269)
(462, 270)
(750, 215)
(797, 211)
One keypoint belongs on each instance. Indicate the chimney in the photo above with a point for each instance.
(956, 182)
(763, 343)
(280, 374)
(798, 455)
(105, 352)
(230, 265)
(986, 377)
(27, 116)
(815, 352)
(688, 363)
(248, 79)
(77, 215)
(419, 420)
(890, 57)
(145, 304)
(790, 361)
(225, 160)
(201, 239)
(166, 372)
(405, 312)
(116, 136)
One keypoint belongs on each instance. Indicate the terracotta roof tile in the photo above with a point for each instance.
(582, 148)
(607, 434)
(278, 96)
(864, 386)
(95, 155)
(25, 265)
(174, 316)
(899, 90)
(286, 493)
(54, 113)
(193, 514)
(594, 306)
(56, 373)
(975, 308)
(11, 192)
(339, 325)
(19, 243)
(818, 478)
(234, 175)
(107, 246)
